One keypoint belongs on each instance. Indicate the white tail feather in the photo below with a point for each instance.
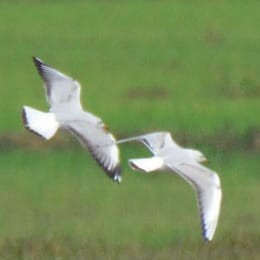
(146, 164)
(41, 123)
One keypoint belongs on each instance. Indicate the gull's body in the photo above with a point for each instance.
(63, 96)
(186, 163)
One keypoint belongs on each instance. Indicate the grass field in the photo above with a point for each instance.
(191, 68)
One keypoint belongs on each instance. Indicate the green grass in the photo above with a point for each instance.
(204, 57)
(53, 207)
(191, 68)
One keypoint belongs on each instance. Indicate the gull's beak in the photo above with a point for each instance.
(202, 159)
(205, 160)
(105, 127)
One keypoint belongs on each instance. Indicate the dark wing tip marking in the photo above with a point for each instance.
(204, 226)
(38, 62)
(114, 174)
(39, 65)
(202, 219)
(36, 59)
(204, 229)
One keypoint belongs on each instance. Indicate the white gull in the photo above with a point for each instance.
(63, 96)
(186, 163)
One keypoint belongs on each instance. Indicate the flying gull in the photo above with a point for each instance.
(63, 96)
(167, 154)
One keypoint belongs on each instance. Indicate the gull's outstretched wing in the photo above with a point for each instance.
(209, 194)
(59, 87)
(100, 144)
(153, 141)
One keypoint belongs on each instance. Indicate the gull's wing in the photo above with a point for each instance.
(153, 141)
(59, 87)
(209, 194)
(100, 144)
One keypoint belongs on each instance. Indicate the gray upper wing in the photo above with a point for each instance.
(59, 87)
(153, 141)
(100, 144)
(209, 194)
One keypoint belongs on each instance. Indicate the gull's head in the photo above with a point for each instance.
(103, 126)
(197, 155)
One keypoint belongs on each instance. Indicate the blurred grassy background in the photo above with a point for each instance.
(187, 67)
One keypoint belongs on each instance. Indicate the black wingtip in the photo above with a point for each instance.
(116, 175)
(37, 60)
(38, 64)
